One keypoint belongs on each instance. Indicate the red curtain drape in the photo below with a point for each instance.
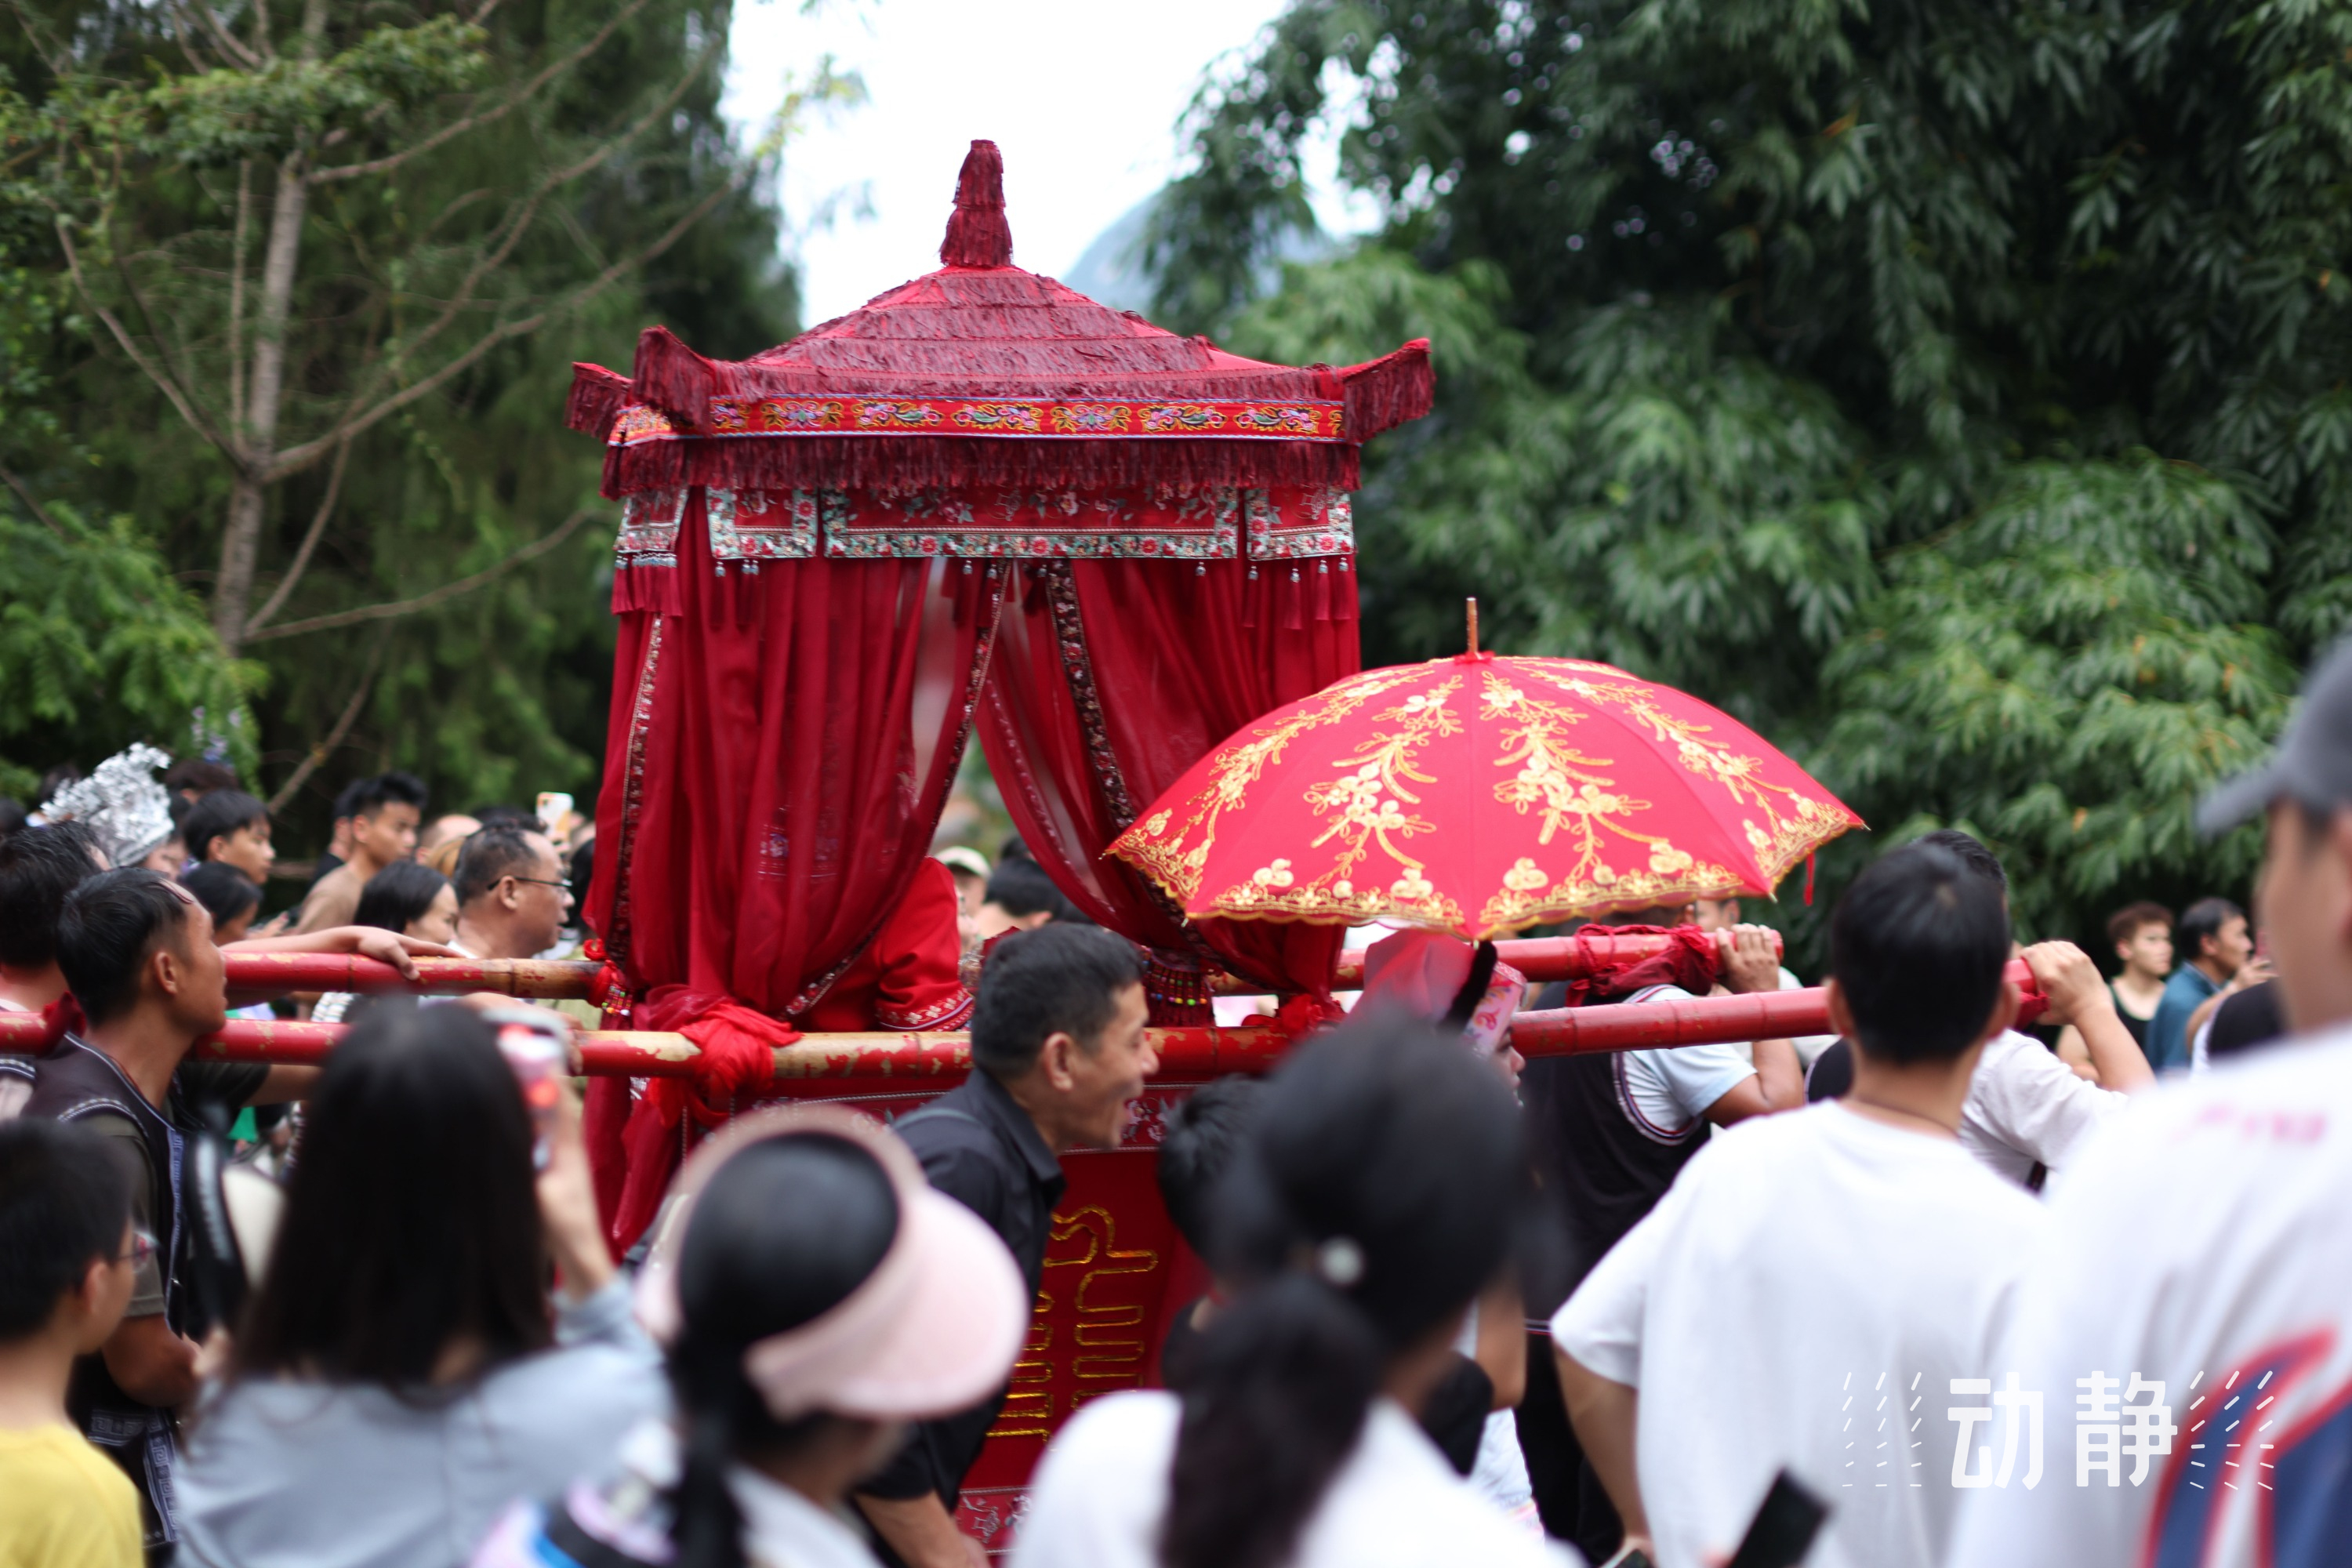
(778, 754)
(1111, 678)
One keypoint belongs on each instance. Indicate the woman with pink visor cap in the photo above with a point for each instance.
(814, 1295)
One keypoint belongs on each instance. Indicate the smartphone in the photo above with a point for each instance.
(534, 1044)
(554, 814)
(1783, 1528)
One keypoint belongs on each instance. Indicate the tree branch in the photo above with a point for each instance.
(440, 595)
(335, 736)
(36, 508)
(459, 127)
(295, 459)
(229, 46)
(276, 599)
(519, 223)
(165, 384)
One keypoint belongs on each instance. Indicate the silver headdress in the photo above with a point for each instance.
(121, 803)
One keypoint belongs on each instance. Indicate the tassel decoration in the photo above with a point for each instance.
(977, 234)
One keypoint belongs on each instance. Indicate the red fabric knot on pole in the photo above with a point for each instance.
(977, 234)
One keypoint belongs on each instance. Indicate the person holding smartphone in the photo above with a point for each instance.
(405, 1370)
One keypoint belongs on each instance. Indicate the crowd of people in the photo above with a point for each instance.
(1466, 1307)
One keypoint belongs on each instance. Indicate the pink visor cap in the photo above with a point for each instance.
(932, 1331)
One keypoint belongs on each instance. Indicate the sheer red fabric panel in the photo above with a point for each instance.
(779, 780)
(1112, 677)
(779, 755)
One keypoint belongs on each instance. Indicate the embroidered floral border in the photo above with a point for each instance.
(1317, 523)
(762, 525)
(649, 521)
(1028, 418)
(1139, 524)
(641, 719)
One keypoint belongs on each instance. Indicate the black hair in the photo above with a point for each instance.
(1021, 888)
(412, 1217)
(582, 868)
(38, 867)
(506, 816)
(490, 856)
(394, 788)
(782, 1233)
(218, 816)
(11, 815)
(1970, 852)
(1917, 945)
(223, 890)
(201, 774)
(1376, 1196)
(2200, 920)
(109, 926)
(398, 894)
(347, 799)
(64, 1202)
(1057, 979)
(2126, 922)
(1196, 1149)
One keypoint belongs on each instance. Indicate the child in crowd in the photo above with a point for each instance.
(229, 828)
(66, 1254)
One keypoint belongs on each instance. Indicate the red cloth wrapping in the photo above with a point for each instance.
(736, 1043)
(1189, 653)
(60, 1019)
(1692, 962)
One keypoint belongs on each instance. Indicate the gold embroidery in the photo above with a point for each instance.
(1599, 859)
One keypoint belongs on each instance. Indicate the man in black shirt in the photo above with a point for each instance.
(1058, 1049)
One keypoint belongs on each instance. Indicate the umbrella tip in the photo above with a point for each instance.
(1472, 606)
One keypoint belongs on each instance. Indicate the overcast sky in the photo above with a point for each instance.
(1082, 98)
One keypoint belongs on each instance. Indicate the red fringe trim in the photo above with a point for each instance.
(878, 462)
(675, 379)
(1385, 392)
(598, 395)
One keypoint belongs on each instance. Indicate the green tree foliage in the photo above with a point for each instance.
(1953, 391)
(303, 285)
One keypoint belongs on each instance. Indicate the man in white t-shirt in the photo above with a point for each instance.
(1804, 1295)
(2198, 1283)
(2026, 1108)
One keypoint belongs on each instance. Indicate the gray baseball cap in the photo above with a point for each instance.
(2313, 761)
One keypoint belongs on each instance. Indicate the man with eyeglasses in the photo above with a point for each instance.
(512, 895)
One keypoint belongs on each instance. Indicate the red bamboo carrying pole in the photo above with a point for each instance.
(278, 972)
(1541, 959)
(1702, 1020)
(1183, 1053)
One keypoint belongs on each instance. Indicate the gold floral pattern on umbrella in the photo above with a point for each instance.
(1481, 795)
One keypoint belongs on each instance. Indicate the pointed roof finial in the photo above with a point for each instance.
(977, 233)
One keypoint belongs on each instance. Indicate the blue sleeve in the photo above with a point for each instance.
(2168, 1043)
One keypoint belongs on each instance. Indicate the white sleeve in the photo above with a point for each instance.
(1696, 1077)
(1600, 1325)
(2028, 1098)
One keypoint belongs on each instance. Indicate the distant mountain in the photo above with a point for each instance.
(1110, 270)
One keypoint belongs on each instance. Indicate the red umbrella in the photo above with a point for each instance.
(1481, 795)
